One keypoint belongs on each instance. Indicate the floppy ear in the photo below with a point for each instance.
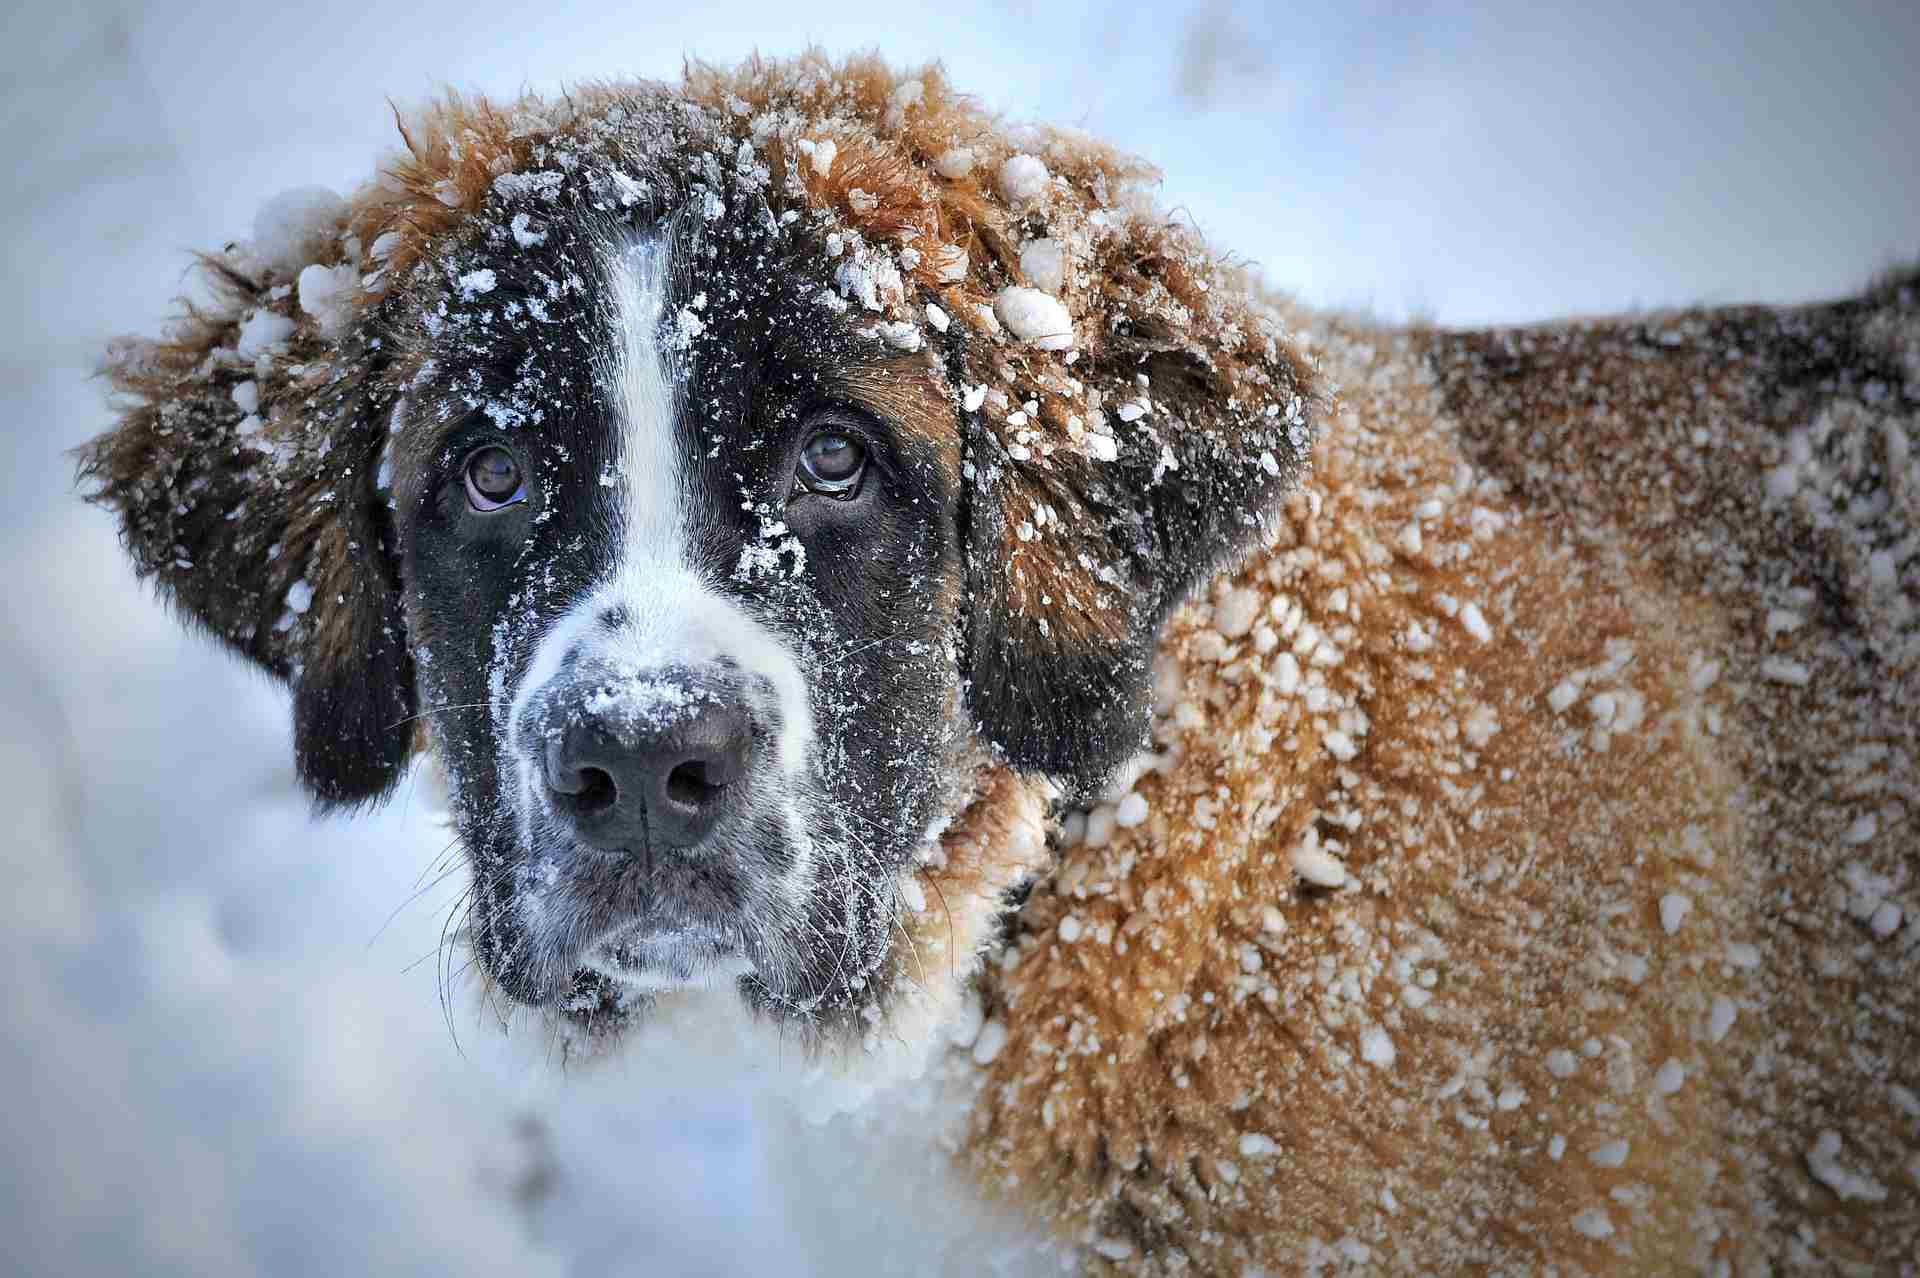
(1130, 408)
(244, 472)
(1079, 549)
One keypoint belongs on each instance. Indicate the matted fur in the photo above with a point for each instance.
(1524, 872)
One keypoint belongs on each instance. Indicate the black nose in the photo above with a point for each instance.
(653, 775)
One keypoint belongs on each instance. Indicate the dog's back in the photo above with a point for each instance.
(1527, 875)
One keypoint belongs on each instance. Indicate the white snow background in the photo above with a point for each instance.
(223, 1051)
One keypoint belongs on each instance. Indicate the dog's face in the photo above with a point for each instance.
(723, 499)
(680, 551)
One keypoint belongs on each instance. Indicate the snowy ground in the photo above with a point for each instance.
(223, 1050)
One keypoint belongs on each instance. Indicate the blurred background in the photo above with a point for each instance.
(222, 1049)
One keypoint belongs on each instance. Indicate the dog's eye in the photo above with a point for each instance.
(493, 479)
(831, 462)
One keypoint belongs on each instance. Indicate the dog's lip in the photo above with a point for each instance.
(658, 954)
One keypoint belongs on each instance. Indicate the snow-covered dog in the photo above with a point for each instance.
(1425, 801)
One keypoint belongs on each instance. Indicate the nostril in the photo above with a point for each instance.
(691, 784)
(585, 789)
(597, 792)
(643, 781)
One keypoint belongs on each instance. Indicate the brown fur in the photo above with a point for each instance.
(1616, 477)
(913, 398)
(1195, 1075)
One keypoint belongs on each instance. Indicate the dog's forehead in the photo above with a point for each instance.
(528, 335)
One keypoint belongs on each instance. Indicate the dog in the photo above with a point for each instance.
(1323, 795)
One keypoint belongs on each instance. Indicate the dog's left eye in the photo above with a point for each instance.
(493, 479)
(831, 462)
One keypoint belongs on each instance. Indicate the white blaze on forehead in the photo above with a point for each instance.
(672, 618)
(647, 382)
(652, 628)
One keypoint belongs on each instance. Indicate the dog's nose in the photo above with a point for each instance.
(659, 774)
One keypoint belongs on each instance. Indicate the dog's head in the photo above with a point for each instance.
(726, 475)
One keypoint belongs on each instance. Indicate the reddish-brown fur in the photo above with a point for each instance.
(1210, 1065)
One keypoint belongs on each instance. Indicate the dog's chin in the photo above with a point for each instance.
(657, 959)
(650, 948)
(659, 952)
(616, 983)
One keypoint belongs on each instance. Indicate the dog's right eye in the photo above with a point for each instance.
(493, 480)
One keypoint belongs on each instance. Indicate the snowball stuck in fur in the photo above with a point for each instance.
(1320, 868)
(821, 154)
(1376, 1048)
(1720, 1018)
(1023, 179)
(1044, 263)
(1258, 1145)
(1593, 1223)
(1823, 1161)
(1034, 318)
(295, 228)
(260, 332)
(1673, 911)
(1670, 1078)
(954, 163)
(477, 283)
(327, 294)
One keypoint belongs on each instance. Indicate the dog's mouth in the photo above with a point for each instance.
(755, 913)
(656, 957)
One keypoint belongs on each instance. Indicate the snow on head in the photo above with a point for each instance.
(1035, 318)
(475, 284)
(1023, 179)
(954, 163)
(327, 293)
(262, 332)
(295, 228)
(1044, 263)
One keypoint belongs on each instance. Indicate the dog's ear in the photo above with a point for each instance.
(244, 470)
(1091, 515)
(1130, 407)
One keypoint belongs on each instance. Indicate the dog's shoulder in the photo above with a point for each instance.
(1521, 816)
